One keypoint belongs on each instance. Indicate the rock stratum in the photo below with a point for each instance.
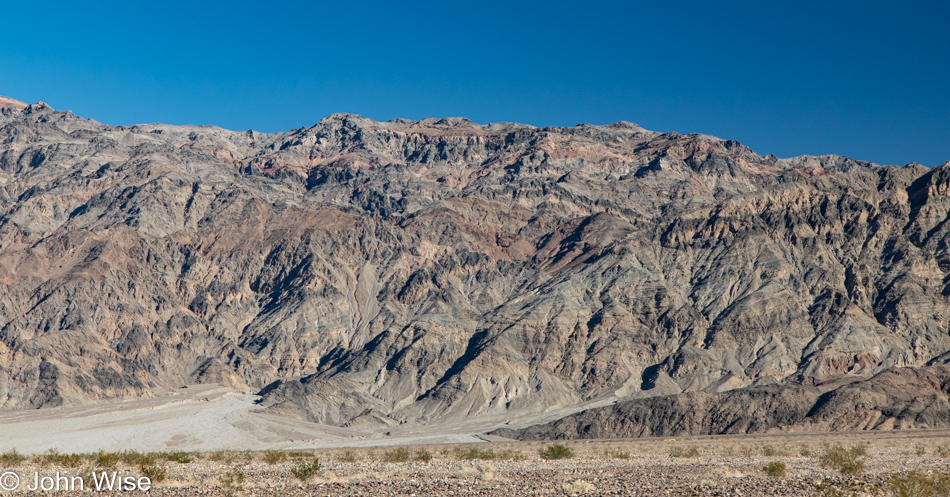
(368, 274)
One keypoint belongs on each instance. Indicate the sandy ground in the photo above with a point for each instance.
(195, 418)
(205, 419)
(721, 466)
(212, 417)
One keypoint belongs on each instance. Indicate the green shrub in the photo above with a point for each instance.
(107, 460)
(920, 450)
(11, 458)
(616, 454)
(347, 456)
(222, 456)
(691, 451)
(179, 457)
(916, 484)
(828, 488)
(942, 451)
(775, 468)
(844, 460)
(474, 453)
(423, 455)
(304, 470)
(853, 467)
(510, 455)
(859, 450)
(769, 451)
(399, 454)
(154, 472)
(53, 456)
(135, 458)
(556, 451)
(274, 456)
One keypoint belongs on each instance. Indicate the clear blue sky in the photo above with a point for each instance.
(867, 79)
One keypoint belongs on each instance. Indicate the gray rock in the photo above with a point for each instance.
(410, 272)
(898, 398)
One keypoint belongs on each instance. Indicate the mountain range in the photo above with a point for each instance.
(373, 274)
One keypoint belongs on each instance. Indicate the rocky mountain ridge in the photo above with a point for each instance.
(895, 399)
(373, 274)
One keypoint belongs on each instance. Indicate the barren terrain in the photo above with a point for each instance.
(395, 276)
(213, 417)
(363, 286)
(717, 465)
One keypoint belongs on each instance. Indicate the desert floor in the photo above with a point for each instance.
(208, 440)
(719, 465)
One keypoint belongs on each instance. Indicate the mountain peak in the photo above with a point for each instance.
(10, 103)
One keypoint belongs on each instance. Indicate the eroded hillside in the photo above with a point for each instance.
(367, 274)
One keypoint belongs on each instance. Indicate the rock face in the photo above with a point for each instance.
(366, 274)
(898, 398)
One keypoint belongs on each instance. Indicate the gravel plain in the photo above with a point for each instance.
(720, 465)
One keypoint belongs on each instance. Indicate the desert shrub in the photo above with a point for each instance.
(135, 458)
(772, 451)
(828, 488)
(222, 456)
(853, 467)
(920, 450)
(399, 454)
(804, 451)
(107, 460)
(274, 456)
(154, 472)
(691, 451)
(296, 454)
(232, 482)
(347, 456)
(510, 455)
(775, 468)
(53, 456)
(11, 458)
(859, 450)
(556, 451)
(942, 451)
(844, 460)
(179, 457)
(474, 453)
(917, 484)
(304, 469)
(423, 455)
(746, 452)
(616, 454)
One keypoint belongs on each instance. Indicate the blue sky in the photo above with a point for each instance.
(870, 80)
